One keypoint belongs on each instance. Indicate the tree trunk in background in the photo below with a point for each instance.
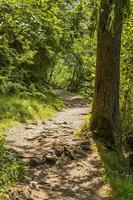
(105, 113)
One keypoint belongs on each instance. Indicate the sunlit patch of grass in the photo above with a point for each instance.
(23, 108)
(84, 128)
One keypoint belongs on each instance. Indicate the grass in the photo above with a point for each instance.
(84, 128)
(20, 108)
(11, 168)
(116, 173)
(27, 107)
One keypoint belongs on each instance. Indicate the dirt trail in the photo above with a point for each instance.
(62, 166)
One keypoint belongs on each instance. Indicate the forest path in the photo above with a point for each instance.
(62, 166)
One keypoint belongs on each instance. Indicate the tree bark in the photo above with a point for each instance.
(105, 112)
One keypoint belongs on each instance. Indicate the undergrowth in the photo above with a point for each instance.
(116, 174)
(11, 168)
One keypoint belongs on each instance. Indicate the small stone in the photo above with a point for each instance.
(51, 159)
(33, 185)
(51, 152)
(34, 162)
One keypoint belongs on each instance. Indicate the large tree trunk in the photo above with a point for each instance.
(105, 112)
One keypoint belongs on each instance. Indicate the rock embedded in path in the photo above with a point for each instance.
(34, 162)
(51, 159)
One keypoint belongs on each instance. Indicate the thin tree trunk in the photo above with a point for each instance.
(105, 112)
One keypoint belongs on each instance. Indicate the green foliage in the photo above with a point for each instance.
(127, 76)
(11, 167)
(29, 35)
(75, 67)
(36, 43)
(83, 130)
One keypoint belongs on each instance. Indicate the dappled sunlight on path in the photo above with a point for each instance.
(62, 166)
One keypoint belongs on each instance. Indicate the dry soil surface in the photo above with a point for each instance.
(61, 165)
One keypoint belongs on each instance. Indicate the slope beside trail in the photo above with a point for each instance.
(61, 165)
